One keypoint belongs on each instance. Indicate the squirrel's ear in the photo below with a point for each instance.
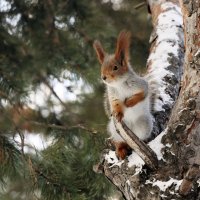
(122, 50)
(99, 51)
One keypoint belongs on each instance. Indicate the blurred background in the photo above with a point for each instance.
(52, 120)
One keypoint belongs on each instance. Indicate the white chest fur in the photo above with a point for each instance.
(138, 118)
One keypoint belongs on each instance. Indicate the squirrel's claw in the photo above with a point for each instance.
(119, 116)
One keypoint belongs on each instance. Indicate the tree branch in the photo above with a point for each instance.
(165, 67)
(137, 145)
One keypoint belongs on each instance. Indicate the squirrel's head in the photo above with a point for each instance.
(114, 67)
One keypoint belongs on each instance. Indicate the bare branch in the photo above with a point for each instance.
(137, 145)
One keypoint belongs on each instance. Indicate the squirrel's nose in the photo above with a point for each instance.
(104, 77)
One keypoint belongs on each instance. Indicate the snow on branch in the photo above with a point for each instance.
(166, 58)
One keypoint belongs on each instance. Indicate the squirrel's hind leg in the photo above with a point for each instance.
(121, 147)
(122, 150)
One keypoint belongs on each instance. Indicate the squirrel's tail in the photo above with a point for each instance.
(155, 103)
(153, 93)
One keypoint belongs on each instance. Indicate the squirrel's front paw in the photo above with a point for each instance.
(117, 110)
(118, 115)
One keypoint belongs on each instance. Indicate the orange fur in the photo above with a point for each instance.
(133, 100)
(107, 69)
(119, 59)
(122, 149)
(117, 109)
(122, 50)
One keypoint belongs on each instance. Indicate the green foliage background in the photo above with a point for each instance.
(39, 39)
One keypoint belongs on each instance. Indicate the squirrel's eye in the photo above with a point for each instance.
(115, 68)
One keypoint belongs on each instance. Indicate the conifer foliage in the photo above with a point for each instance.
(44, 44)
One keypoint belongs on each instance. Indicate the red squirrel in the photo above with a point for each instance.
(126, 92)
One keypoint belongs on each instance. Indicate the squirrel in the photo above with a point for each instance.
(127, 93)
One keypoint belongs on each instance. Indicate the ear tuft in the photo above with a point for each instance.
(99, 51)
(123, 43)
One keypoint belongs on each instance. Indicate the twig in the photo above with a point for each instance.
(21, 135)
(81, 126)
(52, 181)
(139, 5)
(46, 82)
(31, 169)
(144, 151)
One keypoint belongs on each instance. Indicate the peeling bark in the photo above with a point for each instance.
(178, 166)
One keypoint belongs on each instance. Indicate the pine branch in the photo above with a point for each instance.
(21, 135)
(52, 182)
(62, 127)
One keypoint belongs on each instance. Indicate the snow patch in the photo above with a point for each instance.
(129, 185)
(157, 146)
(128, 182)
(163, 196)
(135, 160)
(168, 145)
(111, 158)
(163, 185)
(197, 53)
(198, 181)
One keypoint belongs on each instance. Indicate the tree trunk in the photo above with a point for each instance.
(178, 146)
